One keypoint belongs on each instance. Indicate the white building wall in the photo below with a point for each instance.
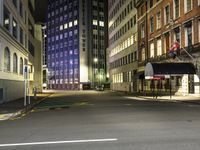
(84, 72)
(132, 48)
(12, 84)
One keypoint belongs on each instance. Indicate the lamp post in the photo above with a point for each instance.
(95, 60)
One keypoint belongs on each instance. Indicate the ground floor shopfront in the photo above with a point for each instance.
(166, 78)
(179, 85)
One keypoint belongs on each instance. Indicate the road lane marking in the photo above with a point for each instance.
(58, 142)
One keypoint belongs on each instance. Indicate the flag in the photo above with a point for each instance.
(174, 50)
(175, 46)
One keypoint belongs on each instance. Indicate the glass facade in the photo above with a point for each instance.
(63, 44)
(75, 37)
(98, 44)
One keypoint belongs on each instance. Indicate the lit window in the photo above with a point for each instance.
(159, 47)
(110, 23)
(188, 5)
(129, 42)
(57, 81)
(143, 57)
(199, 2)
(152, 50)
(135, 38)
(132, 40)
(65, 26)
(70, 24)
(61, 27)
(95, 22)
(126, 44)
(75, 22)
(101, 23)
(6, 22)
(61, 81)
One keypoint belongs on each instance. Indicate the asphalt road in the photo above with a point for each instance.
(91, 120)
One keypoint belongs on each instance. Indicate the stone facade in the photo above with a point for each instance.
(122, 49)
(16, 33)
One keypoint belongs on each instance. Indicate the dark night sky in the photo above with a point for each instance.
(40, 10)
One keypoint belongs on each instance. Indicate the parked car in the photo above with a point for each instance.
(99, 88)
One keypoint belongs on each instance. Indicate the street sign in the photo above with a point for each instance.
(26, 84)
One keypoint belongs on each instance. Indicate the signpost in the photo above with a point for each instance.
(26, 85)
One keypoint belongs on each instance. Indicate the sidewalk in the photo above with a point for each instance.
(15, 108)
(174, 98)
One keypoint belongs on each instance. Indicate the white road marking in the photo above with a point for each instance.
(57, 142)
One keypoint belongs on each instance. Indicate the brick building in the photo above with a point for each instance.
(160, 24)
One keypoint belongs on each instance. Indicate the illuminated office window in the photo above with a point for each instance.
(95, 22)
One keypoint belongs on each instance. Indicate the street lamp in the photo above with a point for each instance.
(95, 60)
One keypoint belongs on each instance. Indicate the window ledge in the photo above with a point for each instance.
(188, 12)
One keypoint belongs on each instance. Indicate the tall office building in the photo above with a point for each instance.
(122, 50)
(76, 38)
(19, 46)
(44, 55)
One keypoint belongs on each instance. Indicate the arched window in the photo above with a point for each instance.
(21, 66)
(15, 64)
(7, 59)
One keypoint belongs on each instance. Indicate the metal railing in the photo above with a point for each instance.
(186, 55)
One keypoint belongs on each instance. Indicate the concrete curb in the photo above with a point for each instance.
(197, 102)
(22, 112)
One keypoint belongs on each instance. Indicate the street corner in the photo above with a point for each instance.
(4, 117)
(11, 116)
